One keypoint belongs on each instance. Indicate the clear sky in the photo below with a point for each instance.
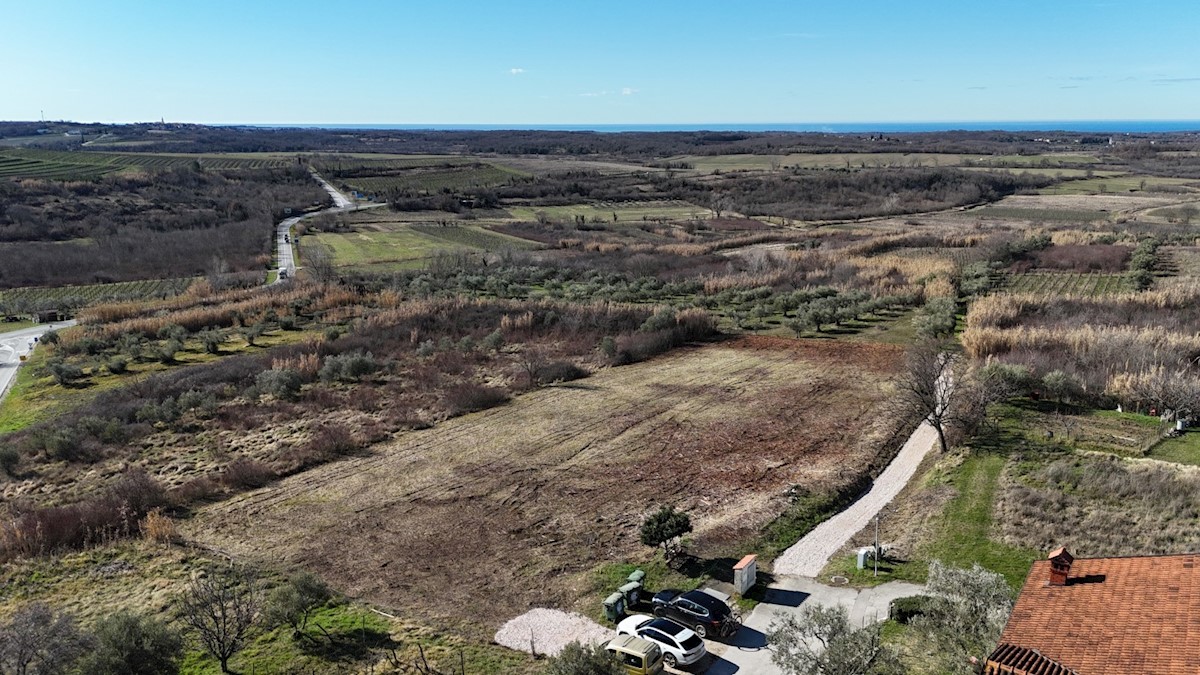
(612, 62)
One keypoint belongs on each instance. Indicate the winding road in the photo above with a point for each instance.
(18, 343)
(283, 231)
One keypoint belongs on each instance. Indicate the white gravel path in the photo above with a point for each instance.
(549, 630)
(810, 555)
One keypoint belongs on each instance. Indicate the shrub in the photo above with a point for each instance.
(560, 371)
(211, 338)
(282, 384)
(167, 351)
(287, 322)
(663, 319)
(131, 644)
(608, 347)
(348, 367)
(293, 603)
(576, 659)
(247, 474)
(157, 527)
(64, 373)
(493, 341)
(904, 609)
(470, 397)
(10, 458)
(332, 441)
(117, 365)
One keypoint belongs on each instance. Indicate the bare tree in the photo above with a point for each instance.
(221, 608)
(318, 260)
(39, 641)
(925, 387)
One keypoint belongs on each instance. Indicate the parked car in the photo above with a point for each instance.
(680, 646)
(703, 613)
(638, 656)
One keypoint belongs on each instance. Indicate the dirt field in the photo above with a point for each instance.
(486, 515)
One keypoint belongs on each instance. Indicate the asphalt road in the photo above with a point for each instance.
(17, 343)
(283, 231)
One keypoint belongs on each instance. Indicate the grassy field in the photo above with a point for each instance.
(433, 179)
(1061, 215)
(410, 246)
(528, 495)
(625, 212)
(1049, 284)
(35, 397)
(1183, 449)
(1114, 184)
(142, 577)
(854, 160)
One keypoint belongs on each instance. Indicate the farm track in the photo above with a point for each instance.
(555, 482)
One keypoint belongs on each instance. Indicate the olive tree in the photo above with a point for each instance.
(964, 616)
(576, 659)
(294, 602)
(132, 644)
(664, 528)
(823, 641)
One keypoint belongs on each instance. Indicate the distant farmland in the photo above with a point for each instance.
(80, 165)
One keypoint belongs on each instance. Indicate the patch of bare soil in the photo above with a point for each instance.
(487, 515)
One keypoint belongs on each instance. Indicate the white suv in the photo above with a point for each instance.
(680, 645)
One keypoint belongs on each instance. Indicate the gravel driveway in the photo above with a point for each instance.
(810, 555)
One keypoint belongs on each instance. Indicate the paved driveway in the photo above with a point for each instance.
(746, 653)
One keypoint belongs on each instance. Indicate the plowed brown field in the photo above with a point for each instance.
(486, 515)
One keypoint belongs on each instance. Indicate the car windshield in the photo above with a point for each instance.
(691, 643)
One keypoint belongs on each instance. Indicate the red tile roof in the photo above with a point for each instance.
(1012, 659)
(1114, 616)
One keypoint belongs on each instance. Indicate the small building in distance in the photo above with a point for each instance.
(1136, 615)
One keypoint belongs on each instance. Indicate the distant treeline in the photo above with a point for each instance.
(635, 145)
(175, 223)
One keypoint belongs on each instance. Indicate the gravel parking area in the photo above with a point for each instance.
(547, 631)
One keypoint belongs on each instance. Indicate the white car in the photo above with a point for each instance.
(680, 645)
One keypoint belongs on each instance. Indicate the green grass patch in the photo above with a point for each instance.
(603, 212)
(474, 237)
(1183, 449)
(434, 179)
(36, 397)
(1061, 215)
(806, 511)
(607, 578)
(1113, 184)
(398, 246)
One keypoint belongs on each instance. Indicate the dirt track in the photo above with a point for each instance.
(486, 515)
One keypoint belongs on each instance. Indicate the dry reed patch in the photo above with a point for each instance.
(487, 514)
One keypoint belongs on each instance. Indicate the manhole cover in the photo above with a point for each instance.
(838, 580)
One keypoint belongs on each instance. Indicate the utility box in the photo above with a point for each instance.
(745, 574)
(865, 554)
(614, 607)
(632, 592)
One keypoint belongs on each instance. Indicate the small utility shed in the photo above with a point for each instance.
(1137, 615)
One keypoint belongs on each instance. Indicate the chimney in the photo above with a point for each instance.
(1060, 566)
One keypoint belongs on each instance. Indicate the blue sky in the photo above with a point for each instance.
(584, 62)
